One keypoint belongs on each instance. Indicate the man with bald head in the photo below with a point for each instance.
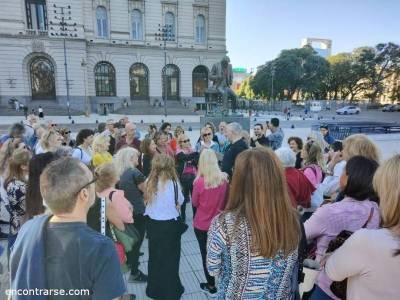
(130, 140)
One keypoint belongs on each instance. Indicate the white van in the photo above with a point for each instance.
(315, 106)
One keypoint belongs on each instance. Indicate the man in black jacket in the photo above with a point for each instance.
(237, 145)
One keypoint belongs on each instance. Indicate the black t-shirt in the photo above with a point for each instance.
(263, 141)
(129, 182)
(79, 258)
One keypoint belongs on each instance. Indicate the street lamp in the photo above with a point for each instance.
(87, 108)
(64, 27)
(165, 34)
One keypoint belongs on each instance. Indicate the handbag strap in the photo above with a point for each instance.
(369, 217)
(103, 215)
(176, 195)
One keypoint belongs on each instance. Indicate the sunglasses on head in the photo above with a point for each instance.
(207, 134)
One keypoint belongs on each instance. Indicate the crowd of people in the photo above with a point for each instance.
(79, 210)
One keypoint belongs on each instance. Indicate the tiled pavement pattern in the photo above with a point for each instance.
(191, 269)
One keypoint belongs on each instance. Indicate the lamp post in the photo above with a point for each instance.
(63, 27)
(165, 34)
(87, 108)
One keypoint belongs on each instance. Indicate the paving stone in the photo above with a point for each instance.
(195, 262)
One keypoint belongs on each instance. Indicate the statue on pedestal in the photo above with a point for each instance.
(221, 75)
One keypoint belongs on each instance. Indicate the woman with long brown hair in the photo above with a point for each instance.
(163, 198)
(252, 246)
(15, 185)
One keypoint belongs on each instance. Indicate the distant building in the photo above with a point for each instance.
(112, 51)
(322, 46)
(239, 75)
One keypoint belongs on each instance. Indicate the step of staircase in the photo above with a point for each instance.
(50, 108)
(143, 107)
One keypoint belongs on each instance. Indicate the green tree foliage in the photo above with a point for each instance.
(245, 90)
(303, 73)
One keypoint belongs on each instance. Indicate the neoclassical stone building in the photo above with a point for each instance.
(112, 51)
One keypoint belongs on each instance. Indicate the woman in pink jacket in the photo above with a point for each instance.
(210, 189)
(105, 187)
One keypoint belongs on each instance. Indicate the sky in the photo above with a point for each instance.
(257, 30)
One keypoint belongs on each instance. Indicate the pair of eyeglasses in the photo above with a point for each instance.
(184, 141)
(207, 134)
(86, 185)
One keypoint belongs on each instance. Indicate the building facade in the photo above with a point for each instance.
(113, 50)
(322, 46)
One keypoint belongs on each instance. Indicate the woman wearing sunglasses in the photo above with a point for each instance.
(187, 160)
(206, 141)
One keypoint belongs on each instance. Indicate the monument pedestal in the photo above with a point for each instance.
(243, 121)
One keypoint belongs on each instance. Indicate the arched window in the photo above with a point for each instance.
(171, 81)
(200, 29)
(200, 81)
(137, 25)
(170, 21)
(139, 81)
(104, 77)
(102, 21)
(42, 79)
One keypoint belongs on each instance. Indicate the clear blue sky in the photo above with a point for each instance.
(257, 30)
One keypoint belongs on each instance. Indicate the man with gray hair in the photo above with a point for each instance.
(59, 251)
(237, 145)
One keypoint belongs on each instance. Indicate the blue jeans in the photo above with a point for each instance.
(319, 294)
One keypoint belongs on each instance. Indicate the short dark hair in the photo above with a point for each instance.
(258, 124)
(297, 140)
(164, 126)
(101, 127)
(337, 146)
(324, 127)
(360, 171)
(275, 122)
(82, 135)
(17, 130)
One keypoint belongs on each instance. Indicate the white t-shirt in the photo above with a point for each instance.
(163, 206)
(82, 155)
(330, 184)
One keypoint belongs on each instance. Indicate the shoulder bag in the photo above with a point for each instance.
(339, 288)
(182, 225)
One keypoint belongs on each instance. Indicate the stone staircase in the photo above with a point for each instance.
(50, 108)
(143, 107)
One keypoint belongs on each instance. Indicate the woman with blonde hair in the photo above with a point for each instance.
(210, 189)
(50, 141)
(370, 258)
(163, 197)
(360, 144)
(132, 182)
(100, 147)
(186, 159)
(206, 141)
(252, 245)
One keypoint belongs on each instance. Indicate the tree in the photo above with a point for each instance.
(245, 90)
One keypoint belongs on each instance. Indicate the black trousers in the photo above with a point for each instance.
(164, 257)
(133, 255)
(187, 189)
(202, 240)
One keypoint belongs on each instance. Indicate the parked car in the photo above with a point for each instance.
(391, 108)
(348, 110)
